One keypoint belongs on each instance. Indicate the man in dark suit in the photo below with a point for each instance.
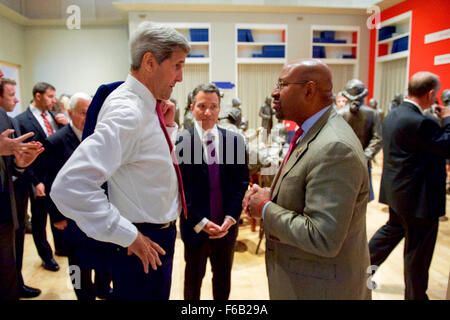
(215, 176)
(59, 147)
(413, 182)
(14, 157)
(39, 118)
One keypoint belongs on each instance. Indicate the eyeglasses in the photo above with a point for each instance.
(280, 84)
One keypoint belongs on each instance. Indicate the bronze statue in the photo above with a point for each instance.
(266, 113)
(445, 98)
(363, 120)
(188, 121)
(374, 105)
(398, 99)
(231, 116)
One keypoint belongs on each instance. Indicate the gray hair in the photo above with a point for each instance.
(77, 96)
(161, 41)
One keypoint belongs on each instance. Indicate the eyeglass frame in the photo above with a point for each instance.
(280, 84)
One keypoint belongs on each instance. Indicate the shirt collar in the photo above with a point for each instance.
(77, 132)
(307, 125)
(35, 110)
(202, 133)
(415, 104)
(141, 90)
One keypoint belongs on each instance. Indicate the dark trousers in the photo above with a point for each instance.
(220, 253)
(22, 208)
(420, 238)
(38, 225)
(9, 288)
(81, 278)
(130, 282)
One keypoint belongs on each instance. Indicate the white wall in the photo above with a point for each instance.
(75, 60)
(223, 34)
(12, 46)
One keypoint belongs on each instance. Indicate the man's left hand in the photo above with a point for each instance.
(259, 194)
(168, 110)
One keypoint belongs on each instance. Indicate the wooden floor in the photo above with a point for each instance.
(249, 279)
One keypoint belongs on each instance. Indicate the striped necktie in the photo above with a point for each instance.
(47, 124)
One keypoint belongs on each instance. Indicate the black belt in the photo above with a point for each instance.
(155, 225)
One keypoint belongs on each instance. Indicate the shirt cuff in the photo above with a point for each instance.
(264, 209)
(233, 219)
(125, 233)
(200, 225)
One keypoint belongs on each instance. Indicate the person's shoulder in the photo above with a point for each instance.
(338, 131)
(22, 115)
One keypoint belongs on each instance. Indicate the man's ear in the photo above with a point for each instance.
(192, 107)
(149, 62)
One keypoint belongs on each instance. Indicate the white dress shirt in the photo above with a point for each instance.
(77, 132)
(204, 137)
(128, 149)
(38, 115)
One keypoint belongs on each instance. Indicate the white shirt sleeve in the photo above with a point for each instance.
(77, 190)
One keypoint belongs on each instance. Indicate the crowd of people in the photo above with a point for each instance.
(114, 172)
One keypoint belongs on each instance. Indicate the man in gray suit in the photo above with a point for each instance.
(315, 212)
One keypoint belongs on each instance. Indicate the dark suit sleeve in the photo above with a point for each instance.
(50, 170)
(238, 184)
(434, 139)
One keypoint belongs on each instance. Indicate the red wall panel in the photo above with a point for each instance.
(427, 17)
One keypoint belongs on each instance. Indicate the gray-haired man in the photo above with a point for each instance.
(131, 149)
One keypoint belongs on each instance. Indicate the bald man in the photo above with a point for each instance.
(315, 212)
(413, 182)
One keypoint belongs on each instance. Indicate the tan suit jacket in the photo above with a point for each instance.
(316, 245)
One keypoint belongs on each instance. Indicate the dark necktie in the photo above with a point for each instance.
(174, 158)
(215, 192)
(47, 124)
(292, 146)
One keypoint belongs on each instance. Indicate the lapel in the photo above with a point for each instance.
(71, 138)
(301, 148)
(197, 157)
(35, 124)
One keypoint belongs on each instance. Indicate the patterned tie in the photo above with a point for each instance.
(47, 124)
(292, 146)
(215, 192)
(174, 158)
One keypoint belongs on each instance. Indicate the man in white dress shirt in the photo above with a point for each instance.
(131, 150)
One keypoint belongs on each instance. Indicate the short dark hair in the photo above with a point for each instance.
(41, 87)
(421, 83)
(4, 81)
(208, 87)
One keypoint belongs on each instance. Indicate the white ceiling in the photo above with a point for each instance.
(31, 11)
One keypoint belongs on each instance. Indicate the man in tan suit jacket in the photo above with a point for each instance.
(315, 213)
